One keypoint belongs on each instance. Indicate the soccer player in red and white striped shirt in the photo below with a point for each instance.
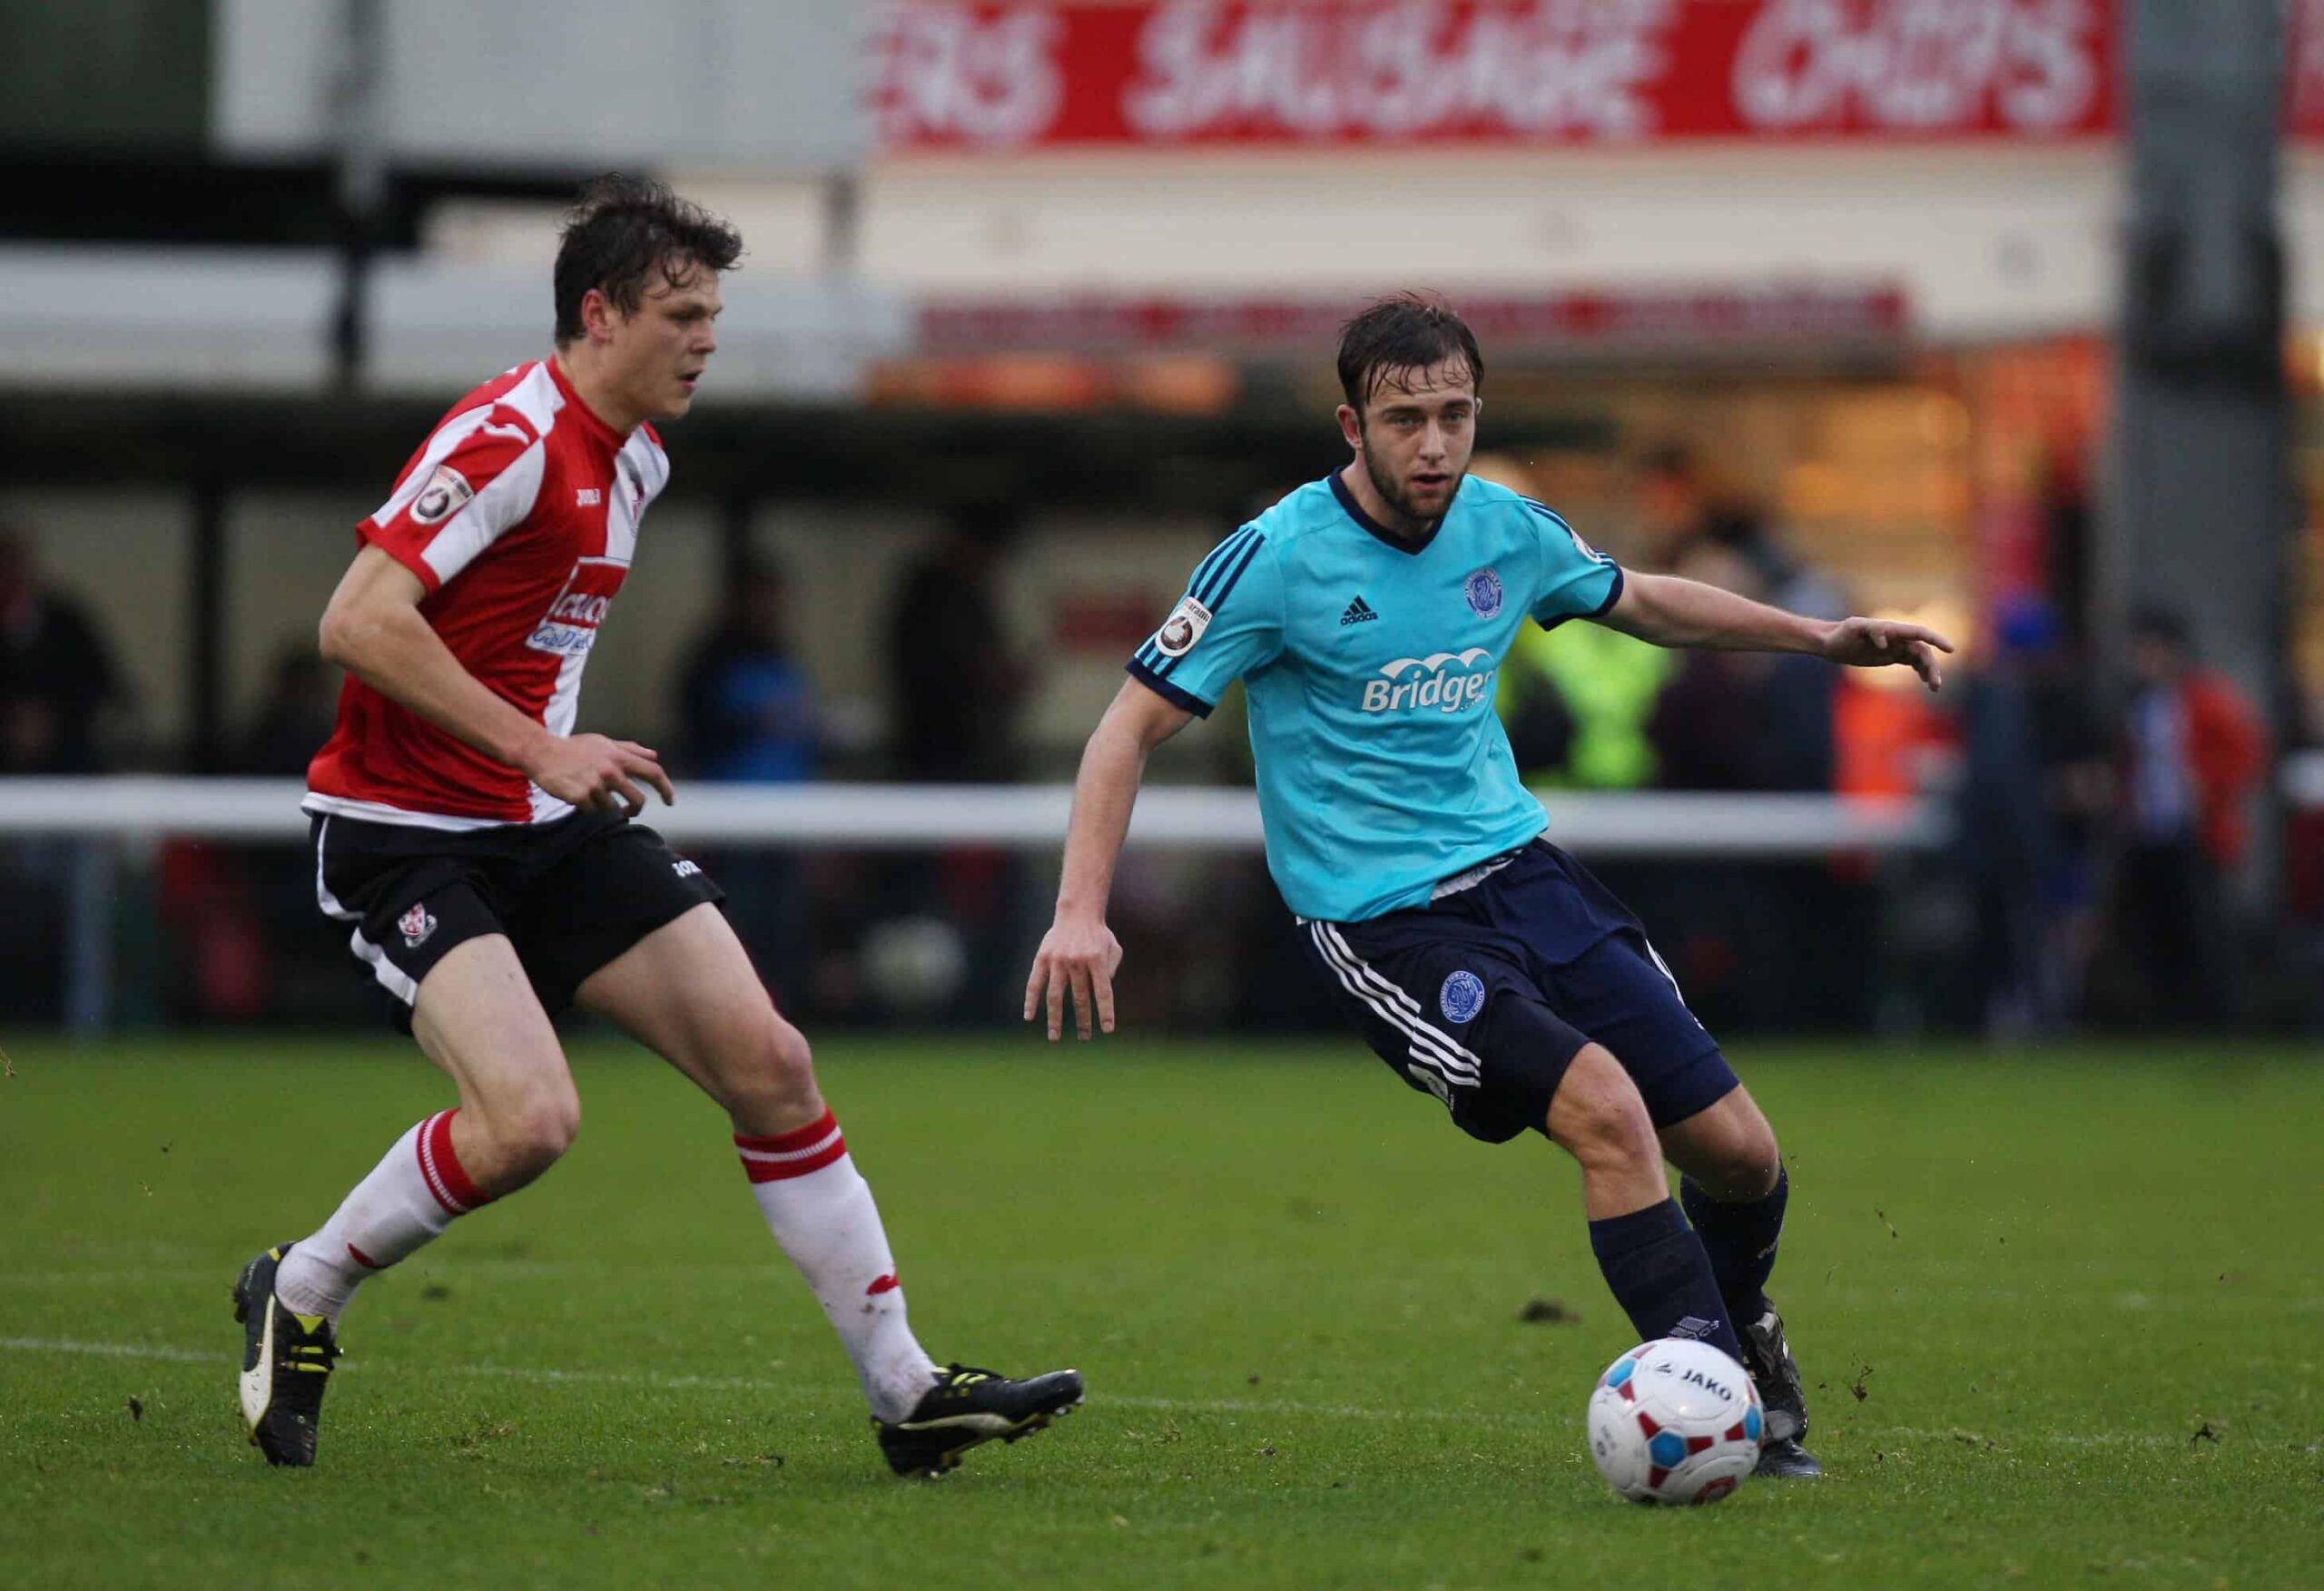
(485, 858)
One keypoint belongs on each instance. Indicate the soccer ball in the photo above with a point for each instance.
(1675, 1421)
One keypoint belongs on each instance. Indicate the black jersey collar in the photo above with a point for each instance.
(1410, 548)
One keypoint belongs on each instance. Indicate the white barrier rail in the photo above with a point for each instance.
(1023, 817)
(99, 815)
(103, 812)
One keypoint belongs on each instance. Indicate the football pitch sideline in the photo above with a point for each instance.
(2059, 1315)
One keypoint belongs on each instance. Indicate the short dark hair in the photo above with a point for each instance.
(1671, 461)
(2154, 622)
(623, 229)
(1395, 337)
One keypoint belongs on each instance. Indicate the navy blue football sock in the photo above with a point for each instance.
(1661, 1276)
(1741, 1240)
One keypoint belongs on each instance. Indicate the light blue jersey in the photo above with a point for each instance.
(1369, 664)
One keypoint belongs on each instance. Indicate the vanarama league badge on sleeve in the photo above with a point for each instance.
(1182, 629)
(447, 490)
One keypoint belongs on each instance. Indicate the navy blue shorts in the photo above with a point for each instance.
(1484, 997)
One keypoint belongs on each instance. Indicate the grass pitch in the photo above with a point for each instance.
(2059, 1315)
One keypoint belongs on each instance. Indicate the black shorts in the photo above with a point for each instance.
(571, 894)
(1484, 997)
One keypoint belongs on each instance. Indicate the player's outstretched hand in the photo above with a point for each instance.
(1874, 642)
(599, 775)
(1081, 956)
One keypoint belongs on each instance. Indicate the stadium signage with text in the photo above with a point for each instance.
(1167, 74)
(1547, 71)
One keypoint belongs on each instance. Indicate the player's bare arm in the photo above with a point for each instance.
(374, 629)
(1079, 952)
(1670, 611)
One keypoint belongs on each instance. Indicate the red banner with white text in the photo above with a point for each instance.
(1175, 74)
(1172, 72)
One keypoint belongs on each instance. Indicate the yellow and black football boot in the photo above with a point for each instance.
(286, 1363)
(967, 1407)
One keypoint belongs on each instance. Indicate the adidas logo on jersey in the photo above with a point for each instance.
(1358, 612)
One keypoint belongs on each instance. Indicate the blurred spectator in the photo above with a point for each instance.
(295, 716)
(2031, 775)
(246, 914)
(1742, 721)
(1680, 509)
(747, 712)
(1576, 700)
(1784, 579)
(2193, 750)
(1673, 503)
(747, 709)
(955, 683)
(57, 676)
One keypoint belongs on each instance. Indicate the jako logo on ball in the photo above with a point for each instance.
(1420, 685)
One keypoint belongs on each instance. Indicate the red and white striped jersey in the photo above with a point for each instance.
(519, 514)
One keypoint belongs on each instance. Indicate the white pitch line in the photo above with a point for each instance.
(549, 1377)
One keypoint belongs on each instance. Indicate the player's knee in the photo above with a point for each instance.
(1599, 1119)
(1756, 1165)
(774, 1078)
(1745, 1161)
(532, 1133)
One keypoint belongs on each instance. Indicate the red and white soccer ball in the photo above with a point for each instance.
(1675, 1421)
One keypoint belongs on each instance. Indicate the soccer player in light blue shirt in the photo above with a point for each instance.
(1366, 615)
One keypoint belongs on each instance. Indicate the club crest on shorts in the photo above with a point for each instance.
(1182, 629)
(1483, 590)
(445, 491)
(1461, 997)
(416, 925)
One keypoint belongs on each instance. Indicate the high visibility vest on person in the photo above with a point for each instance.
(1609, 683)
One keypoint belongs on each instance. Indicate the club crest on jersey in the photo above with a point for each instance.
(1461, 997)
(416, 925)
(1182, 629)
(1483, 591)
(447, 490)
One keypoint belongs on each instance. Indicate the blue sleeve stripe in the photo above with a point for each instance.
(1215, 560)
(1225, 580)
(1558, 519)
(1169, 693)
(1226, 583)
(1207, 571)
(1217, 555)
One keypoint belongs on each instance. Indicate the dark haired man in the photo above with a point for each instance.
(1366, 614)
(486, 856)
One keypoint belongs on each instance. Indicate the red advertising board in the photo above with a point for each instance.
(1280, 73)
(1630, 319)
(2304, 95)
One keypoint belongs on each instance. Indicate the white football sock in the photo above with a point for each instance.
(406, 1202)
(821, 1213)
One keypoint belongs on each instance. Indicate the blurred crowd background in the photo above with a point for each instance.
(2004, 316)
